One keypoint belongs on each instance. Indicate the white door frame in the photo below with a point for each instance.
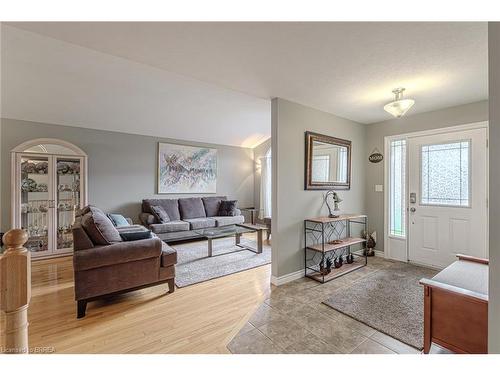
(406, 136)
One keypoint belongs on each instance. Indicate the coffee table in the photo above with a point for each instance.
(237, 230)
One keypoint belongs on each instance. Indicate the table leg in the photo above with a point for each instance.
(259, 241)
(210, 248)
(237, 238)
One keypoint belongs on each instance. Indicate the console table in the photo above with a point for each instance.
(327, 238)
(456, 307)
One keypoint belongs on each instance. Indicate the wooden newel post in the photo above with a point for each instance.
(15, 290)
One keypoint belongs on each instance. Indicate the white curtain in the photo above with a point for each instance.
(265, 186)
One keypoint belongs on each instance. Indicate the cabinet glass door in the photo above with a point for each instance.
(68, 199)
(36, 202)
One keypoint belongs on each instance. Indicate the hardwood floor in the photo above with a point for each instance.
(201, 318)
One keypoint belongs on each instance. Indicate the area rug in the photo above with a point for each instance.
(390, 300)
(194, 265)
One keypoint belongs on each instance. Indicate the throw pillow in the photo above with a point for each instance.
(227, 208)
(99, 228)
(134, 236)
(160, 214)
(118, 220)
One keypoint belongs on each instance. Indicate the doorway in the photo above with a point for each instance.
(437, 195)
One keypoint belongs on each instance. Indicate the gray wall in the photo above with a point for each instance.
(291, 203)
(122, 167)
(259, 152)
(494, 287)
(375, 133)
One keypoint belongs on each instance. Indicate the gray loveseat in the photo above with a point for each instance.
(186, 216)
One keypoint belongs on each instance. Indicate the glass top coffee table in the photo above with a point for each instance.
(232, 231)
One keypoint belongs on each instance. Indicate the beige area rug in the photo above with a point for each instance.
(194, 266)
(390, 300)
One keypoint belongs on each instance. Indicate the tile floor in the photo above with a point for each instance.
(293, 320)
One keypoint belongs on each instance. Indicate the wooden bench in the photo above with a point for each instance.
(456, 307)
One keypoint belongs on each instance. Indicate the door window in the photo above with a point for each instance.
(445, 174)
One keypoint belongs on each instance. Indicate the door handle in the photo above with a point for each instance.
(413, 209)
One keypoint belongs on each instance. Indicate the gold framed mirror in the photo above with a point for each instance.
(327, 162)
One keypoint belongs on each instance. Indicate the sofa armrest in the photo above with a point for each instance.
(147, 219)
(119, 252)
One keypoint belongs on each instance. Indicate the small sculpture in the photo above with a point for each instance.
(349, 258)
(371, 242)
(336, 201)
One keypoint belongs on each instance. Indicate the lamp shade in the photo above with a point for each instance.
(398, 108)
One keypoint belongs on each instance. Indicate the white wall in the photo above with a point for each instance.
(375, 133)
(494, 287)
(291, 203)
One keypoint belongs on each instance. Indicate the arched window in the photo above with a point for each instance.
(266, 185)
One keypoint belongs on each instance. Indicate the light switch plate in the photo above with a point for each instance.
(379, 188)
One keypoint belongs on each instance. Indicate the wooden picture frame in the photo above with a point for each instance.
(309, 184)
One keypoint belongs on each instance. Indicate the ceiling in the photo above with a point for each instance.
(348, 69)
(47, 80)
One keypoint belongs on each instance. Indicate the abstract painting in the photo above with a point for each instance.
(185, 169)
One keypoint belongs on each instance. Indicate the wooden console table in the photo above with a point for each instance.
(334, 238)
(456, 307)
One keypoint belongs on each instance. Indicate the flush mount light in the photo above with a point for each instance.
(399, 106)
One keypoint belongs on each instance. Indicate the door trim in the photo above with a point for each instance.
(387, 140)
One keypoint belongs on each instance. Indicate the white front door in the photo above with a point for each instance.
(447, 197)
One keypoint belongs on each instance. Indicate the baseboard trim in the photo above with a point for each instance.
(280, 280)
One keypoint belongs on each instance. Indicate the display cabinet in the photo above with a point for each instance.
(49, 184)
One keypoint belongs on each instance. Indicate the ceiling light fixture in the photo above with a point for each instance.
(399, 106)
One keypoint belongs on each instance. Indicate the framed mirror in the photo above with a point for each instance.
(328, 163)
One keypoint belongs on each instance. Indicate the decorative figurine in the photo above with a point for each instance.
(371, 242)
(336, 201)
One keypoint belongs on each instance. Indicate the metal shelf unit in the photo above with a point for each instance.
(334, 238)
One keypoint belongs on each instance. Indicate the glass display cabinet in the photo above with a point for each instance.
(49, 185)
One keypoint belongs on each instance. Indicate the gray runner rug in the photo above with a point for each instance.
(390, 300)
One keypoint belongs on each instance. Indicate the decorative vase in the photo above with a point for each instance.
(349, 258)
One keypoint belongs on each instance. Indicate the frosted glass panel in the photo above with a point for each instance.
(397, 188)
(445, 174)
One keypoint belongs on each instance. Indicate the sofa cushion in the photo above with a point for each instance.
(227, 208)
(118, 220)
(171, 226)
(160, 214)
(170, 205)
(99, 228)
(212, 205)
(228, 220)
(201, 222)
(191, 208)
(168, 256)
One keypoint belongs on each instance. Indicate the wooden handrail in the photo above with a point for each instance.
(15, 291)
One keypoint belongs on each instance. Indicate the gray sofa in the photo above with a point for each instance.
(186, 216)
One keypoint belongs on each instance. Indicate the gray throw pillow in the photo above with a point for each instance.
(160, 214)
(227, 208)
(135, 236)
(99, 228)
